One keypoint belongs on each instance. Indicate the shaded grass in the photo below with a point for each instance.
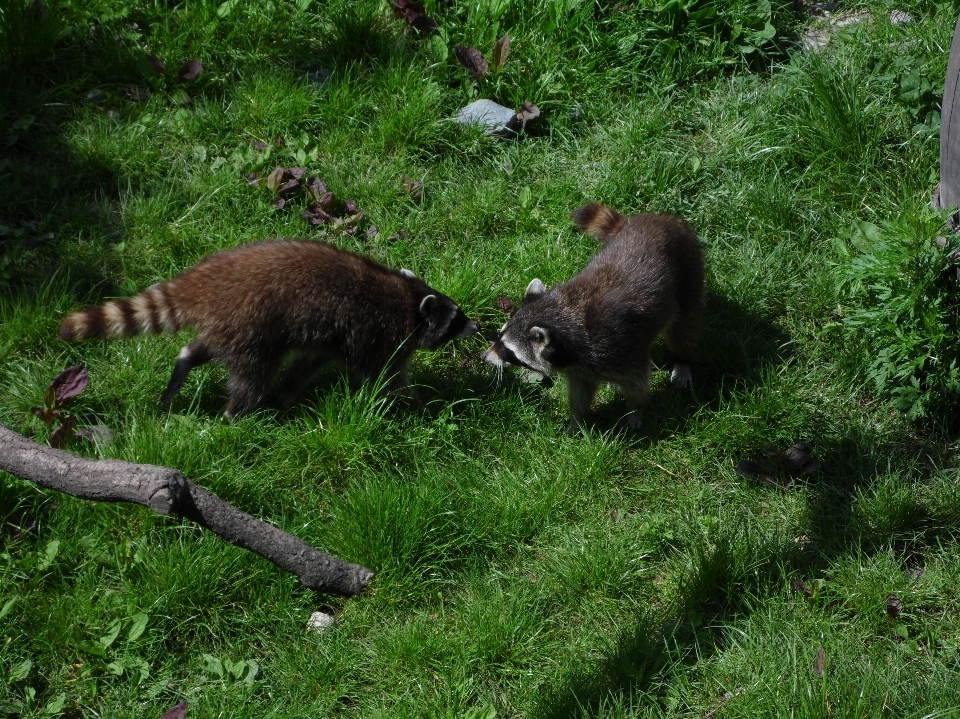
(519, 571)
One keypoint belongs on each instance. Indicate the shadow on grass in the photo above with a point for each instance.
(734, 570)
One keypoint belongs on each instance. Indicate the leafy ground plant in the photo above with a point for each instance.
(520, 572)
(901, 285)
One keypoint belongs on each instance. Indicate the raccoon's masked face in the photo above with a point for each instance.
(442, 321)
(526, 340)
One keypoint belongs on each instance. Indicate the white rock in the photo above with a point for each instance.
(899, 17)
(320, 622)
(497, 119)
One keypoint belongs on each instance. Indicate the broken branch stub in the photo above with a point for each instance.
(166, 491)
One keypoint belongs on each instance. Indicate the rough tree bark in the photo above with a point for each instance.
(166, 491)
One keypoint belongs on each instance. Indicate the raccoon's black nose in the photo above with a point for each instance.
(471, 329)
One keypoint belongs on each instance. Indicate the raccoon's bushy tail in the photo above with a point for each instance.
(152, 311)
(598, 220)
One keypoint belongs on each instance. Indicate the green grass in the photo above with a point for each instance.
(520, 572)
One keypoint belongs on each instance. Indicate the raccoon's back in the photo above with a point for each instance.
(292, 292)
(651, 259)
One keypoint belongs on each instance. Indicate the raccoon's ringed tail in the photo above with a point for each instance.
(147, 313)
(598, 220)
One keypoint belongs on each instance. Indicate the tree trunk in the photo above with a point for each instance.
(166, 491)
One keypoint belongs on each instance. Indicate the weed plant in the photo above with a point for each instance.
(520, 572)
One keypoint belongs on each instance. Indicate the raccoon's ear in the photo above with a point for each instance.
(534, 289)
(428, 305)
(404, 272)
(540, 335)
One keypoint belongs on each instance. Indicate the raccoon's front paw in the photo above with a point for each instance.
(681, 375)
(632, 421)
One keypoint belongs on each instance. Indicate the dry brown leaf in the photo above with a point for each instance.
(501, 50)
(471, 60)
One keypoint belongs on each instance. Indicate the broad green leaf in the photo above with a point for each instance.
(49, 554)
(56, 705)
(865, 236)
(20, 671)
(112, 633)
(92, 647)
(138, 626)
(6, 607)
(226, 7)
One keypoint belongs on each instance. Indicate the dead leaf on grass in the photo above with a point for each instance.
(506, 305)
(471, 60)
(189, 70)
(894, 606)
(501, 51)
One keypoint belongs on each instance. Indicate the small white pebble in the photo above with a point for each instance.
(320, 622)
(899, 17)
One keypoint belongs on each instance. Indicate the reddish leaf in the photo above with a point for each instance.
(414, 188)
(317, 216)
(156, 64)
(47, 415)
(289, 186)
(501, 50)
(260, 145)
(372, 232)
(96, 433)
(506, 305)
(189, 70)
(326, 199)
(277, 140)
(315, 189)
(69, 383)
(802, 587)
(280, 203)
(423, 23)
(894, 606)
(297, 172)
(177, 712)
(274, 179)
(61, 436)
(471, 60)
(351, 207)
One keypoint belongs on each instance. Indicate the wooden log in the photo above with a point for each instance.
(166, 491)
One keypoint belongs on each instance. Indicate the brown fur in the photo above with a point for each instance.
(255, 304)
(600, 325)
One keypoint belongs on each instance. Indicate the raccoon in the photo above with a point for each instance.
(254, 305)
(600, 325)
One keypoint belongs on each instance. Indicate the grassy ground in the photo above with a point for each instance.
(520, 572)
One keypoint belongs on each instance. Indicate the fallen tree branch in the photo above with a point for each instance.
(166, 491)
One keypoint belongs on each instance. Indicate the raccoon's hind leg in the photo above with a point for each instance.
(682, 338)
(250, 380)
(193, 355)
(580, 392)
(299, 374)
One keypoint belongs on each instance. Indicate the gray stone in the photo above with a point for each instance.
(496, 119)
